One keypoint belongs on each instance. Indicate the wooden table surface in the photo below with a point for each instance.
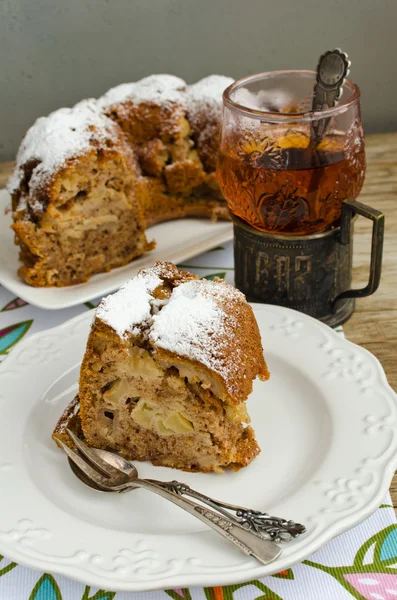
(374, 323)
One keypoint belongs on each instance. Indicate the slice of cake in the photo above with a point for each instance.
(77, 199)
(169, 364)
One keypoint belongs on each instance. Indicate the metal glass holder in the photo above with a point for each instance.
(310, 273)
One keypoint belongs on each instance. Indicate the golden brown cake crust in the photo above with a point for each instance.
(150, 146)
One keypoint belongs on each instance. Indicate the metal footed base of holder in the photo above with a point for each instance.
(312, 273)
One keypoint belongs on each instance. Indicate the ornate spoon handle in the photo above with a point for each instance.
(262, 524)
(263, 550)
(332, 70)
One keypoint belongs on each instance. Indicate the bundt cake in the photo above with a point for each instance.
(169, 364)
(91, 178)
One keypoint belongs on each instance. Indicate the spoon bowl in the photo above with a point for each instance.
(127, 470)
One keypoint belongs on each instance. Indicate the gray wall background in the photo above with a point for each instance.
(55, 52)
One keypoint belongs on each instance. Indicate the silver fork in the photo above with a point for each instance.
(263, 550)
(262, 524)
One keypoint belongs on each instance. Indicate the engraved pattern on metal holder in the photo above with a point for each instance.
(351, 208)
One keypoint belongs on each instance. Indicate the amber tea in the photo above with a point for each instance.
(282, 184)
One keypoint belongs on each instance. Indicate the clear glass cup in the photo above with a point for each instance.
(273, 171)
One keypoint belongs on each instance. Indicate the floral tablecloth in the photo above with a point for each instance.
(361, 563)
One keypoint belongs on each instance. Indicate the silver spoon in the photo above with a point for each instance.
(263, 550)
(123, 471)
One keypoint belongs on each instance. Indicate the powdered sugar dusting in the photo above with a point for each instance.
(70, 132)
(187, 324)
(196, 319)
(64, 134)
(129, 306)
(205, 109)
(205, 96)
(193, 321)
(159, 89)
(14, 181)
(186, 321)
(211, 87)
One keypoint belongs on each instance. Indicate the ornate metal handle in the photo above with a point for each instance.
(350, 208)
(261, 524)
(263, 550)
(332, 70)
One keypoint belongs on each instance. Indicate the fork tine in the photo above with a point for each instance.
(93, 457)
(89, 471)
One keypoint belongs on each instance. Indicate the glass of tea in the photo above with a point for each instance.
(291, 177)
(282, 168)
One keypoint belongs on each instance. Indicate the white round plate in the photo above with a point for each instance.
(326, 422)
(173, 243)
